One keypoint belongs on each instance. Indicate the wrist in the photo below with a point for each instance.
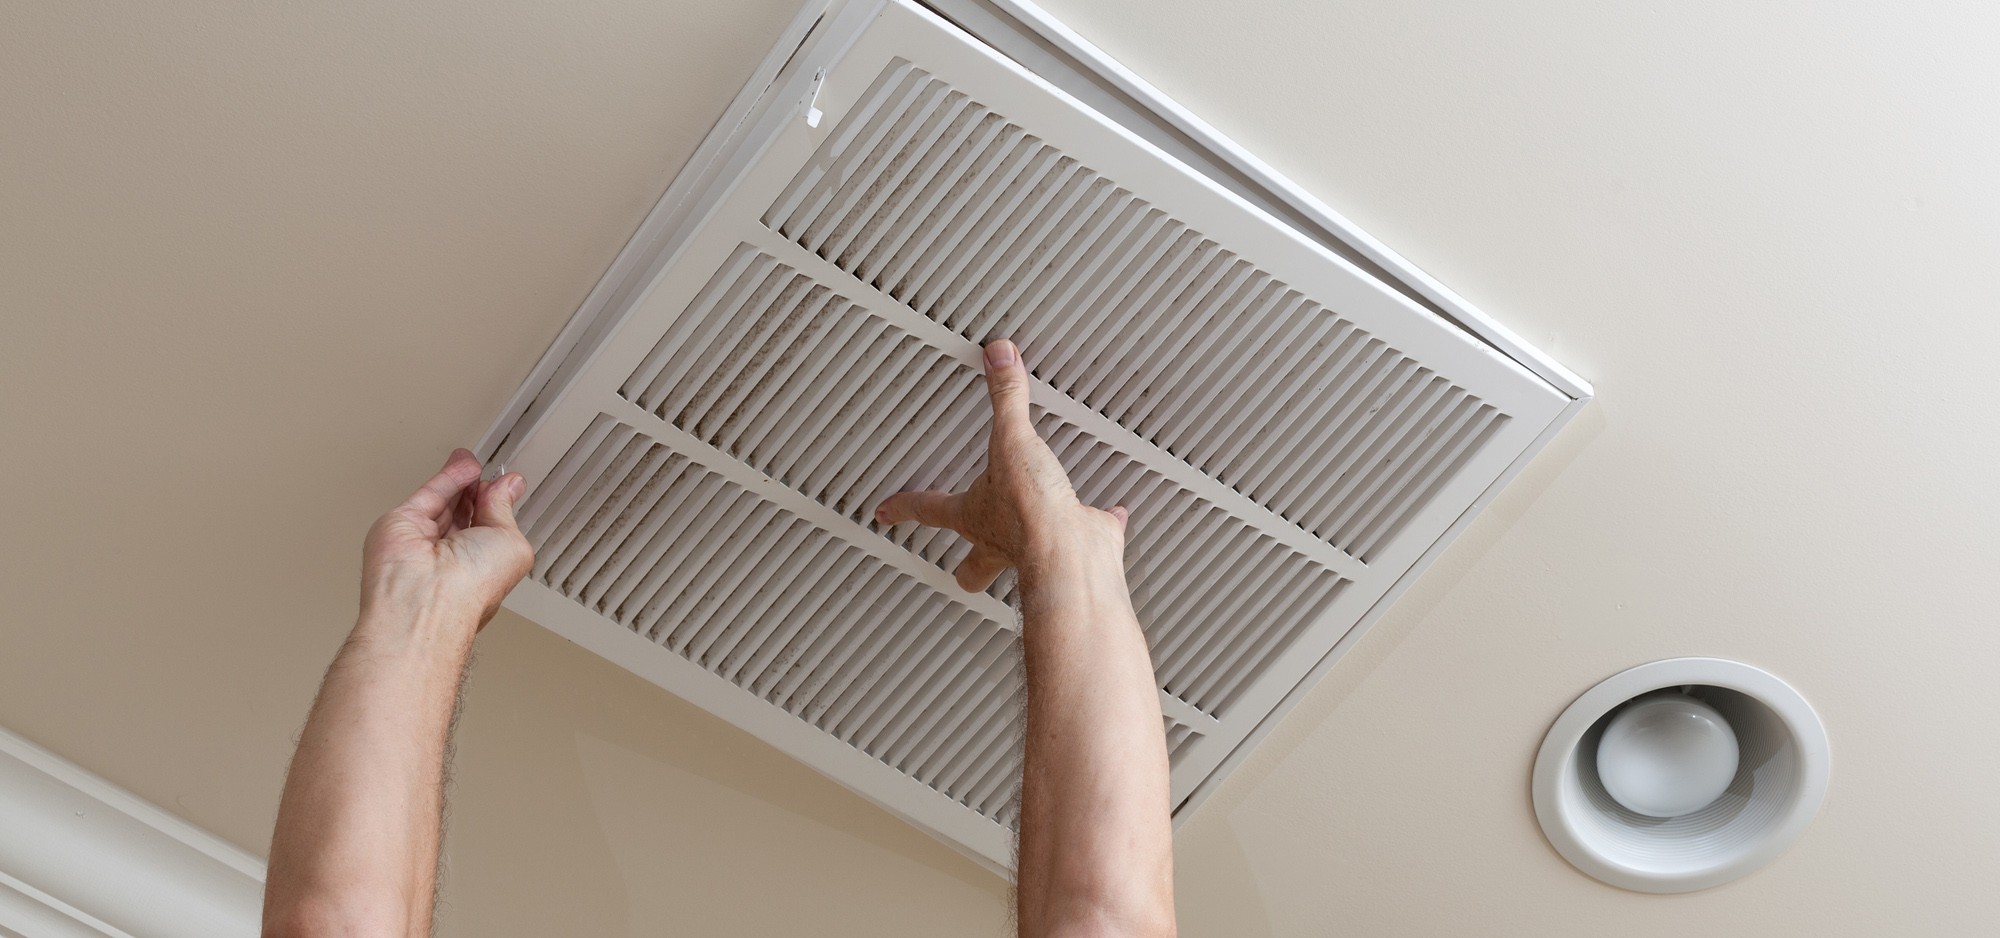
(1074, 549)
(395, 625)
(1074, 574)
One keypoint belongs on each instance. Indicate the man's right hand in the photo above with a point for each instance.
(1096, 846)
(1021, 512)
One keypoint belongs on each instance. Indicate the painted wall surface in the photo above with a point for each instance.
(261, 267)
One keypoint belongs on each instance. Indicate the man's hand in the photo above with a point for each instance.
(1096, 850)
(1020, 512)
(453, 545)
(356, 847)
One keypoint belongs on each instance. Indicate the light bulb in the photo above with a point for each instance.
(1667, 755)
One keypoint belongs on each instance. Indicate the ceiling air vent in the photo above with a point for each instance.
(1296, 418)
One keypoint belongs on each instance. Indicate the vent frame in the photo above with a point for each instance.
(674, 261)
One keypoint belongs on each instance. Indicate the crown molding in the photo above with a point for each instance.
(81, 857)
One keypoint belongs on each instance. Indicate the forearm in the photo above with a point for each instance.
(355, 850)
(1096, 843)
(1096, 851)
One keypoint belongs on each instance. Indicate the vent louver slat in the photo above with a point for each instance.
(1180, 738)
(1130, 311)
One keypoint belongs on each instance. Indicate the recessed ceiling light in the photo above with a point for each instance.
(1666, 754)
(1681, 790)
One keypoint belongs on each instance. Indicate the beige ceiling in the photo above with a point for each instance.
(262, 265)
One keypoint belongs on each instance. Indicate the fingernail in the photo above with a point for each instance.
(882, 513)
(516, 486)
(999, 353)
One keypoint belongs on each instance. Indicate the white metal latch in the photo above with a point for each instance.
(813, 114)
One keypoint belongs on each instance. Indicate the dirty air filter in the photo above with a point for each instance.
(795, 335)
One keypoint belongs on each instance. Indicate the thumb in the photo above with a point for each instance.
(1007, 385)
(495, 508)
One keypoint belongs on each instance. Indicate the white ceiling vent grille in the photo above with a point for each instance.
(776, 606)
(762, 341)
(1294, 435)
(970, 220)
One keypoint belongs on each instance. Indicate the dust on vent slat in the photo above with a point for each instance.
(812, 624)
(973, 221)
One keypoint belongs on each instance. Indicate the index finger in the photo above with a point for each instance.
(1007, 388)
(435, 495)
